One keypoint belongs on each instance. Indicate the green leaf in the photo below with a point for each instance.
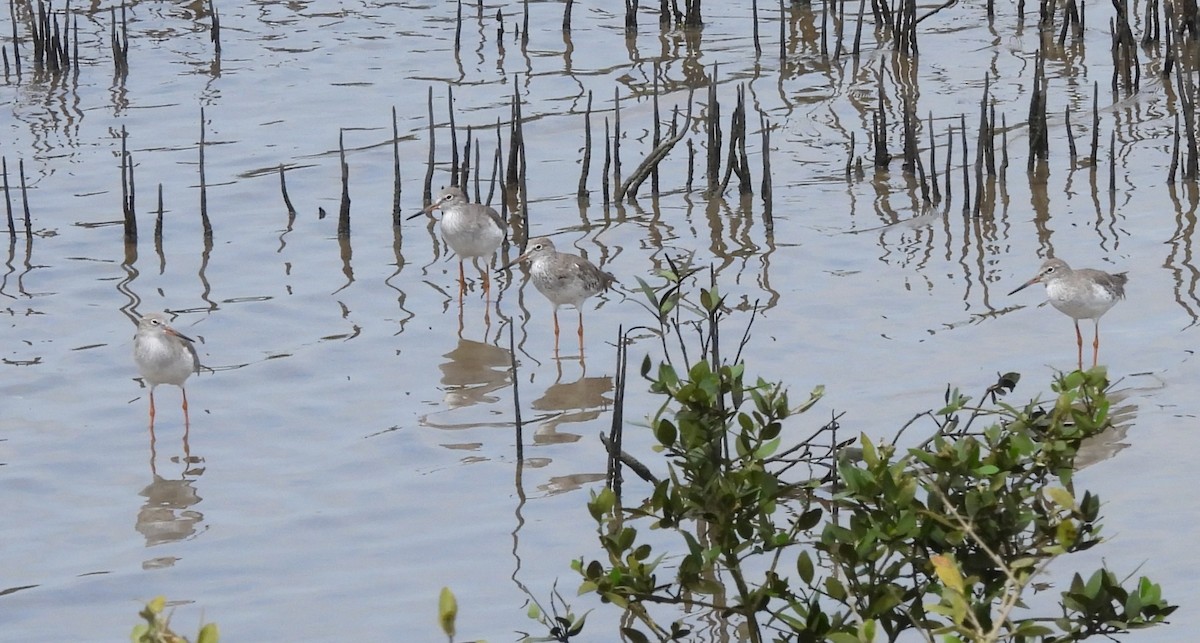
(665, 432)
(808, 519)
(1061, 497)
(804, 566)
(209, 634)
(768, 449)
(869, 455)
(447, 611)
(633, 635)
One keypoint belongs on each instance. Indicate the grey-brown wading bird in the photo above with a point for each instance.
(563, 278)
(472, 230)
(1080, 294)
(164, 356)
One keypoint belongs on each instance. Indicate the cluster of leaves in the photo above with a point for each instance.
(157, 628)
(803, 542)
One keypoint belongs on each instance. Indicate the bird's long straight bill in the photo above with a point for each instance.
(172, 331)
(512, 263)
(1023, 286)
(419, 213)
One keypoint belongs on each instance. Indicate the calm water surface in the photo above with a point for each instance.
(354, 448)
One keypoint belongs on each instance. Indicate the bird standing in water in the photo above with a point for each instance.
(1080, 294)
(563, 278)
(472, 230)
(164, 356)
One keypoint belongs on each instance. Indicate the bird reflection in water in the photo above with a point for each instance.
(167, 515)
(472, 372)
(582, 400)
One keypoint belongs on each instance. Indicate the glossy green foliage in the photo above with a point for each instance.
(786, 534)
(157, 628)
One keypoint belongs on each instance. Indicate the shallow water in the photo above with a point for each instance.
(353, 449)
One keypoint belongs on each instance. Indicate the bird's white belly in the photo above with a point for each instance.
(158, 364)
(1089, 304)
(469, 237)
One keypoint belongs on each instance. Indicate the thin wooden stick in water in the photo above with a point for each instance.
(586, 164)
(204, 222)
(25, 201)
(607, 163)
(343, 228)
(933, 172)
(616, 140)
(283, 190)
(396, 214)
(216, 27)
(427, 195)
(12, 226)
(453, 136)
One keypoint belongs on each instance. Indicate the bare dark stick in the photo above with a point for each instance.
(525, 23)
(1070, 135)
(1095, 123)
(25, 201)
(512, 350)
(566, 23)
(586, 164)
(910, 135)
(396, 214)
(754, 19)
(1112, 163)
(343, 228)
(1003, 147)
(980, 144)
(1175, 154)
(691, 164)
(933, 168)
(965, 175)
(949, 156)
(850, 155)
(990, 153)
(427, 196)
(631, 184)
(782, 34)
(12, 226)
(607, 163)
(515, 141)
(216, 27)
(457, 27)
(464, 172)
(477, 166)
(714, 136)
(131, 233)
(16, 40)
(765, 187)
(158, 223)
(523, 186)
(287, 201)
(453, 136)
(616, 140)
(656, 139)
(496, 167)
(616, 429)
(204, 222)
(882, 157)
